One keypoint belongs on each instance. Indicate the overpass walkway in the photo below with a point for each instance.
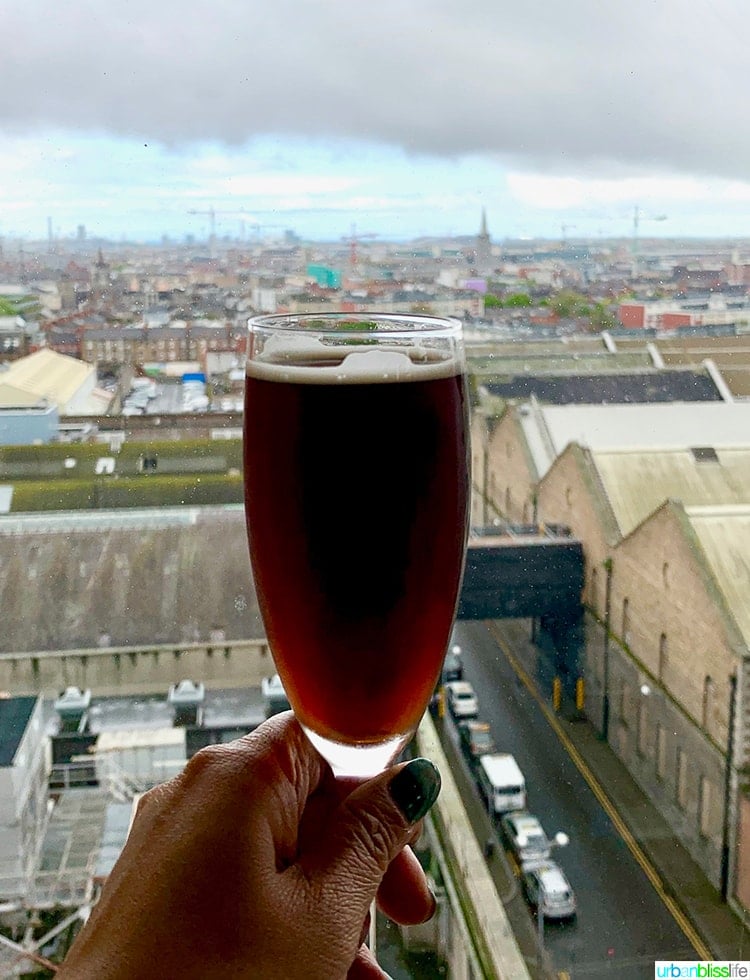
(522, 571)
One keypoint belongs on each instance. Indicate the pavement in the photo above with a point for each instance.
(719, 927)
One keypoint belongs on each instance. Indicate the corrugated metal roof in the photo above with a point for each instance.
(600, 427)
(633, 387)
(48, 374)
(724, 534)
(12, 396)
(637, 482)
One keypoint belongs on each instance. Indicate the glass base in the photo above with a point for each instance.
(358, 760)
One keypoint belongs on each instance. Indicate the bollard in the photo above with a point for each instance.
(580, 693)
(556, 693)
(441, 703)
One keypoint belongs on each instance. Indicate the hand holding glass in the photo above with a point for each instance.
(356, 498)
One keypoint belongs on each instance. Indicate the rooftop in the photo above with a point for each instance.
(14, 718)
(45, 374)
(548, 429)
(610, 388)
(724, 535)
(637, 482)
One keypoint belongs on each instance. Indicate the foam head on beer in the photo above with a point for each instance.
(310, 361)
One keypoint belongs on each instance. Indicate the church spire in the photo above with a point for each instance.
(483, 249)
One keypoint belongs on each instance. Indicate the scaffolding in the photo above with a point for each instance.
(91, 809)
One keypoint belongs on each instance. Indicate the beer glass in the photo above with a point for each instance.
(356, 499)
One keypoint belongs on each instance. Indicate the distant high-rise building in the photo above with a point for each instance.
(81, 233)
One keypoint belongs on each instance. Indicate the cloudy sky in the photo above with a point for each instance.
(406, 117)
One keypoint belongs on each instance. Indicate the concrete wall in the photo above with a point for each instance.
(503, 472)
(136, 670)
(667, 754)
(564, 497)
(511, 478)
(672, 622)
(63, 589)
(22, 428)
(669, 635)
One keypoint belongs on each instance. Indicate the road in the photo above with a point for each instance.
(622, 925)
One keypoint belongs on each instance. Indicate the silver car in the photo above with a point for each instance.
(525, 836)
(548, 890)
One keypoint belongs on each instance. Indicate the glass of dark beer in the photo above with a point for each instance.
(356, 498)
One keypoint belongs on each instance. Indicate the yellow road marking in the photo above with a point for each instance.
(633, 846)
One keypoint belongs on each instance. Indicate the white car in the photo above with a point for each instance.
(525, 836)
(548, 890)
(462, 700)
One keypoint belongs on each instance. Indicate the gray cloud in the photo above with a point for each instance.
(558, 85)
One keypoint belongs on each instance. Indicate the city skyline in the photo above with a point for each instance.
(319, 189)
(556, 122)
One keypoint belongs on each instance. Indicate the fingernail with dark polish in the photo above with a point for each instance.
(415, 788)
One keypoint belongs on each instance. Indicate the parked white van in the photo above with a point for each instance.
(502, 783)
(462, 701)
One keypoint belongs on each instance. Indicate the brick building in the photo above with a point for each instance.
(141, 344)
(666, 534)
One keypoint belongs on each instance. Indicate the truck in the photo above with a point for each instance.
(501, 782)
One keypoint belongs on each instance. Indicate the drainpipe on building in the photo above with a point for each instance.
(607, 621)
(727, 822)
(485, 481)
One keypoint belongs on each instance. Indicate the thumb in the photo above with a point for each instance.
(368, 829)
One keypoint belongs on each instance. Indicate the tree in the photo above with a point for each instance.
(570, 303)
(601, 317)
(516, 300)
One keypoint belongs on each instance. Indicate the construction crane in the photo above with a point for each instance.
(564, 229)
(258, 227)
(353, 240)
(212, 213)
(212, 218)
